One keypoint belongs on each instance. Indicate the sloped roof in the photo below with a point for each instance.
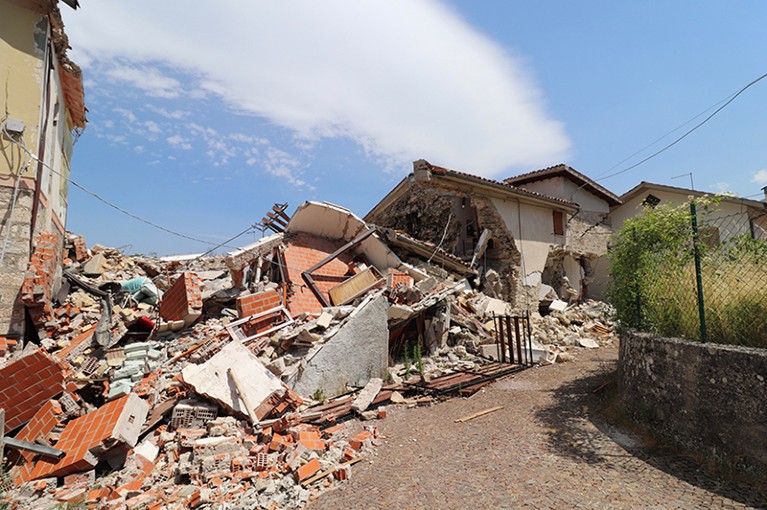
(467, 179)
(570, 173)
(438, 170)
(646, 186)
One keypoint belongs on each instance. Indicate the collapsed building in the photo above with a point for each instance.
(187, 382)
(531, 238)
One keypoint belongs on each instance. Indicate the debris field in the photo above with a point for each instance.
(253, 379)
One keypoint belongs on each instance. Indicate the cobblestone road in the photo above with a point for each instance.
(545, 449)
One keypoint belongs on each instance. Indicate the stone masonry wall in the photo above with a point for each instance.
(15, 260)
(422, 213)
(708, 399)
(588, 233)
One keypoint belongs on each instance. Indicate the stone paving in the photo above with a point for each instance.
(546, 449)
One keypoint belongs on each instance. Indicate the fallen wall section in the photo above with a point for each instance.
(353, 356)
(686, 391)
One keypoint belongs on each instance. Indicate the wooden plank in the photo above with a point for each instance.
(478, 414)
(355, 286)
(249, 407)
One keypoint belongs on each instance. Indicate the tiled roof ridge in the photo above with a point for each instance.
(511, 187)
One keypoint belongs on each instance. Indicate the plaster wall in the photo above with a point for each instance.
(532, 228)
(734, 216)
(22, 52)
(586, 200)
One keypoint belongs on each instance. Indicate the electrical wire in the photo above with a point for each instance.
(248, 230)
(117, 207)
(690, 131)
(619, 163)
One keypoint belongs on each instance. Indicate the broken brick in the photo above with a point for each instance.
(307, 470)
(118, 421)
(256, 303)
(183, 300)
(28, 384)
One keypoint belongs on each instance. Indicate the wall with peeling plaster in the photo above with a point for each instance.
(24, 36)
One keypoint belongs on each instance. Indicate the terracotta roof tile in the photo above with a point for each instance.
(502, 185)
(562, 169)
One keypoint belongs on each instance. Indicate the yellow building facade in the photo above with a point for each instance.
(42, 112)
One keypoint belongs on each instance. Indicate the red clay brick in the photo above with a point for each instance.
(307, 470)
(302, 252)
(183, 300)
(27, 385)
(257, 303)
(78, 438)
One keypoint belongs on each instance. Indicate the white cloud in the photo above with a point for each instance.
(148, 79)
(281, 164)
(169, 114)
(760, 177)
(152, 126)
(403, 79)
(179, 142)
(127, 114)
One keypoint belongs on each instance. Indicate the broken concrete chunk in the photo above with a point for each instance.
(96, 265)
(354, 355)
(494, 306)
(558, 305)
(400, 312)
(588, 343)
(367, 395)
(277, 367)
(211, 380)
(324, 320)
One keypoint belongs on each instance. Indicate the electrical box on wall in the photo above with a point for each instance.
(14, 126)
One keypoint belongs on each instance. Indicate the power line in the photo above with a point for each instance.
(619, 163)
(117, 207)
(658, 152)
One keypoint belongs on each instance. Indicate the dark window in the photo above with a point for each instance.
(559, 223)
(651, 201)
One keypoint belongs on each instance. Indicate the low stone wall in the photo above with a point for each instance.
(708, 399)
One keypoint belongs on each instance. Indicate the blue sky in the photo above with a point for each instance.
(203, 115)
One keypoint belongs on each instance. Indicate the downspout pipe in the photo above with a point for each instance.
(41, 147)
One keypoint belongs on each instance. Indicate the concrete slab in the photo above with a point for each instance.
(367, 395)
(211, 380)
(353, 356)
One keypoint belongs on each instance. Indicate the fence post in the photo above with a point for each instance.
(698, 272)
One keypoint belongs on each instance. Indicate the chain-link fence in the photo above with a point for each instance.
(697, 272)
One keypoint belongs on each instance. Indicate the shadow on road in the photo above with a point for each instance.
(586, 424)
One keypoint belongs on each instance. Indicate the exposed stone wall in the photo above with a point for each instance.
(15, 260)
(588, 233)
(503, 257)
(423, 212)
(706, 398)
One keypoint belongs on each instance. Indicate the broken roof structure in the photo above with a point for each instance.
(532, 238)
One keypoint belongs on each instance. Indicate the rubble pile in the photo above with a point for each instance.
(188, 382)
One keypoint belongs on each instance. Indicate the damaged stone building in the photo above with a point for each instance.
(43, 113)
(532, 238)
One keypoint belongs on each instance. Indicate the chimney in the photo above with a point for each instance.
(764, 190)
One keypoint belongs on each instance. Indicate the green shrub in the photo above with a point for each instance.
(653, 281)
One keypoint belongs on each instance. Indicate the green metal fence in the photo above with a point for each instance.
(709, 285)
